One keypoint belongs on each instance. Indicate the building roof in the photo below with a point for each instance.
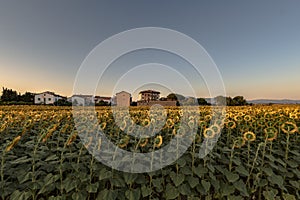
(52, 93)
(123, 92)
(149, 91)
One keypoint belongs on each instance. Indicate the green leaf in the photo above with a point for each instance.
(270, 194)
(171, 192)
(288, 197)
(295, 184)
(193, 181)
(211, 168)
(146, 191)
(227, 189)
(200, 171)
(177, 178)
(186, 170)
(206, 185)
(231, 177)
(133, 194)
(240, 186)
(107, 194)
(268, 171)
(242, 170)
(292, 163)
(130, 177)
(69, 184)
(104, 174)
(216, 184)
(157, 183)
(92, 188)
(276, 180)
(117, 181)
(17, 195)
(21, 160)
(181, 162)
(79, 195)
(184, 189)
(51, 158)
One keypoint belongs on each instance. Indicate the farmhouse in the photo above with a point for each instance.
(47, 98)
(81, 100)
(151, 97)
(123, 99)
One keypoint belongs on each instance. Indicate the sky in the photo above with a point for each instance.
(254, 44)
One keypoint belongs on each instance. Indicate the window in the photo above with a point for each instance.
(39, 99)
(49, 99)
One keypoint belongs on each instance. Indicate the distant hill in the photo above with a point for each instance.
(273, 101)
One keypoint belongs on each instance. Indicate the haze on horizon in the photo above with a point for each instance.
(255, 44)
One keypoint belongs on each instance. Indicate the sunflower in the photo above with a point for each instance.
(103, 126)
(238, 118)
(270, 133)
(146, 123)
(249, 136)
(239, 142)
(216, 128)
(158, 141)
(209, 133)
(230, 124)
(207, 117)
(169, 123)
(123, 142)
(202, 124)
(247, 118)
(143, 142)
(289, 127)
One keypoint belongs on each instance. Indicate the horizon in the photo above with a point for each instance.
(255, 46)
(161, 96)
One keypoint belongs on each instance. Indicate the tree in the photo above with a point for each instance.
(202, 101)
(239, 101)
(27, 97)
(220, 100)
(102, 103)
(9, 95)
(176, 97)
(62, 102)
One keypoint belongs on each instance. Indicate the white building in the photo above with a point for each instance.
(123, 99)
(81, 100)
(47, 98)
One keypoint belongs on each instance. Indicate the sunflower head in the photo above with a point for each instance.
(289, 127)
(209, 133)
(239, 142)
(270, 133)
(143, 142)
(158, 140)
(249, 136)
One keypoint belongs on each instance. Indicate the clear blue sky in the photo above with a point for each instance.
(255, 44)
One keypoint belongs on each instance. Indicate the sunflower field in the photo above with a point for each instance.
(256, 156)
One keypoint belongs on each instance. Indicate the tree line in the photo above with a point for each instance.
(10, 96)
(219, 100)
